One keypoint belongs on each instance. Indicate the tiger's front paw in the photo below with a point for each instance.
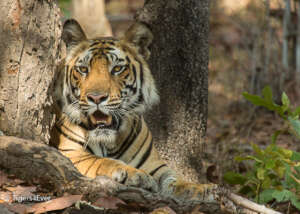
(192, 191)
(134, 177)
(125, 174)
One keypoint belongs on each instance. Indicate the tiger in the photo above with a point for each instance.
(104, 87)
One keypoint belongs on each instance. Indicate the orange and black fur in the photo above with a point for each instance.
(103, 89)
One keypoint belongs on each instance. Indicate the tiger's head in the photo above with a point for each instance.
(107, 80)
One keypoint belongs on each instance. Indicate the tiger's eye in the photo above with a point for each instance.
(83, 69)
(117, 69)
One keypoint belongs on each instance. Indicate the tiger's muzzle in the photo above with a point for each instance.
(100, 119)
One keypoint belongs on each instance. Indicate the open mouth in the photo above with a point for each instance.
(103, 121)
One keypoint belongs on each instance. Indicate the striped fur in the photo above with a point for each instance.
(104, 86)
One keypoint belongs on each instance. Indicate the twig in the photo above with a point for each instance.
(250, 204)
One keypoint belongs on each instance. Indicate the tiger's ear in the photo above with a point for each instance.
(141, 37)
(72, 33)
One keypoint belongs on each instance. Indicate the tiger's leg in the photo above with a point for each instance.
(92, 166)
(187, 190)
(171, 185)
(193, 193)
(168, 181)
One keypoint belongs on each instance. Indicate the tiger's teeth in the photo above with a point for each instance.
(98, 118)
(109, 120)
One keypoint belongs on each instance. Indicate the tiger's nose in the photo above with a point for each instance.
(97, 98)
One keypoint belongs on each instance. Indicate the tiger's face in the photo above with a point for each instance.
(108, 82)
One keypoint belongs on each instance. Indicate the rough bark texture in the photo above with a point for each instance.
(91, 16)
(179, 62)
(44, 165)
(29, 46)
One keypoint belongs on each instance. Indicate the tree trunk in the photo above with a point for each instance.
(179, 62)
(91, 16)
(29, 46)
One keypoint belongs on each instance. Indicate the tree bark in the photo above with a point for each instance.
(91, 16)
(29, 46)
(179, 62)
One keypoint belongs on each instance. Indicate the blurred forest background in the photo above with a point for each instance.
(253, 43)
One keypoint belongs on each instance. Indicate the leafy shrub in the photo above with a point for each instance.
(276, 171)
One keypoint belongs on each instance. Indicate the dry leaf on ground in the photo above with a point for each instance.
(108, 202)
(20, 193)
(6, 197)
(55, 204)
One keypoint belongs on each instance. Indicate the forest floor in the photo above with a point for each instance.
(234, 123)
(233, 126)
(237, 62)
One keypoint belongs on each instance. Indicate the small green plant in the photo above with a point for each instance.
(290, 116)
(276, 171)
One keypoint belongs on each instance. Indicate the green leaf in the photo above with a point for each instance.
(254, 99)
(281, 196)
(280, 170)
(295, 156)
(266, 196)
(266, 183)
(285, 152)
(296, 202)
(267, 93)
(257, 150)
(285, 101)
(270, 163)
(261, 173)
(265, 102)
(295, 124)
(296, 112)
(275, 135)
(234, 178)
(248, 157)
(289, 181)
